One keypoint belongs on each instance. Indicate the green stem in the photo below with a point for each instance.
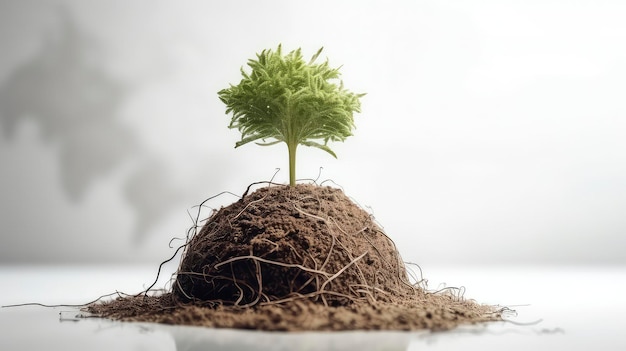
(292, 163)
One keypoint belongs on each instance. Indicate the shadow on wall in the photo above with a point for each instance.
(76, 104)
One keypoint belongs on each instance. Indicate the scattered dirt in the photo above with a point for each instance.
(296, 258)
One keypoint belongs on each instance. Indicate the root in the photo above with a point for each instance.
(341, 270)
(314, 269)
(283, 258)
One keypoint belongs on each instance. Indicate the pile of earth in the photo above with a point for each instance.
(295, 258)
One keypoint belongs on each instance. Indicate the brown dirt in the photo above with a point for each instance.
(296, 258)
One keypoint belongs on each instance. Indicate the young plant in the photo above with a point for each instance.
(285, 99)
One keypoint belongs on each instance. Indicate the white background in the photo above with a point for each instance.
(492, 131)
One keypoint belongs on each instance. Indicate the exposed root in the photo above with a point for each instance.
(304, 250)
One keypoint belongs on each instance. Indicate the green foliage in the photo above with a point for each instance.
(285, 99)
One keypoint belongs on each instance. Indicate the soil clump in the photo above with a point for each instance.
(296, 258)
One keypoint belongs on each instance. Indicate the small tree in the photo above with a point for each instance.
(285, 99)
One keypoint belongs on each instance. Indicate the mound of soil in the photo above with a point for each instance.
(282, 243)
(295, 258)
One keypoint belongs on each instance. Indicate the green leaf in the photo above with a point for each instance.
(270, 143)
(284, 99)
(320, 146)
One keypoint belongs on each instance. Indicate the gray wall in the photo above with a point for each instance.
(492, 132)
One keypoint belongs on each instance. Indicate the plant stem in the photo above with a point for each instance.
(292, 162)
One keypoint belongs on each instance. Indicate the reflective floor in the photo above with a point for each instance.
(561, 308)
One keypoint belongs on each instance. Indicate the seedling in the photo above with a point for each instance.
(285, 99)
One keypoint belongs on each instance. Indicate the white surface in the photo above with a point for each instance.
(580, 308)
